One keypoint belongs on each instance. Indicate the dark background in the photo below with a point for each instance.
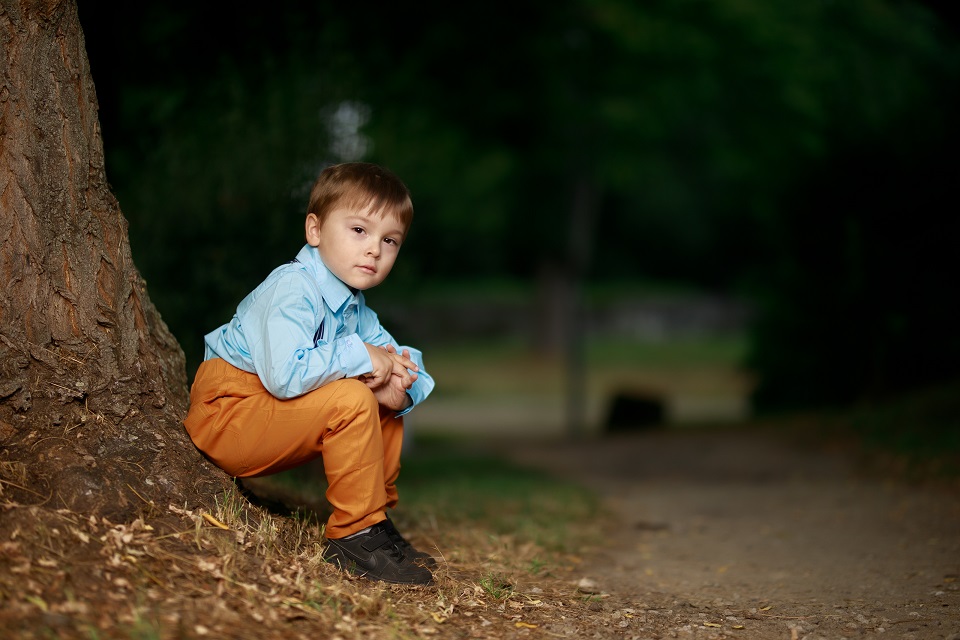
(799, 157)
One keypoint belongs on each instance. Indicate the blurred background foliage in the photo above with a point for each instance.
(798, 156)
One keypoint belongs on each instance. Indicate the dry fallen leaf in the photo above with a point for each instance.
(526, 625)
(209, 518)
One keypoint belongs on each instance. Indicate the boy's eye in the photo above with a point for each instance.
(357, 229)
(391, 241)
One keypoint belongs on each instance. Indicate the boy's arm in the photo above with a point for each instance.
(280, 323)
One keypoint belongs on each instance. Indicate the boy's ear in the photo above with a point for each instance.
(312, 228)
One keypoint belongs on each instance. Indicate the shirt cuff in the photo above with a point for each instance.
(353, 356)
(408, 409)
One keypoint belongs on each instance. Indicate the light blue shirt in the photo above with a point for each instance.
(303, 327)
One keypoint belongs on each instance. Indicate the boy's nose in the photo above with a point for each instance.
(373, 248)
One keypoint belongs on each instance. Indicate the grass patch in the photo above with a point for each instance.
(444, 482)
(726, 351)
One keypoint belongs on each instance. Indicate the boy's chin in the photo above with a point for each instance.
(362, 285)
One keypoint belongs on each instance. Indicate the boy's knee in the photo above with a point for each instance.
(357, 395)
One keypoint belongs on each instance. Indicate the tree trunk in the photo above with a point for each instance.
(93, 384)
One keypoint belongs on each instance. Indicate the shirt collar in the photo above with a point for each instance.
(332, 288)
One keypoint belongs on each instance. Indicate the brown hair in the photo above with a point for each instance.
(360, 186)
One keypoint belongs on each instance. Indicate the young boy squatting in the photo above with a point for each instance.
(304, 369)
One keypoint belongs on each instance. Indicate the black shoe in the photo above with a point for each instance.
(419, 557)
(375, 555)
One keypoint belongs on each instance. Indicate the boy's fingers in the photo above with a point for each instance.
(402, 371)
(406, 354)
(406, 379)
(405, 362)
(403, 359)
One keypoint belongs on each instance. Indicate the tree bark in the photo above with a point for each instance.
(93, 384)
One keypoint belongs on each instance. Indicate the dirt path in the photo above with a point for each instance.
(737, 534)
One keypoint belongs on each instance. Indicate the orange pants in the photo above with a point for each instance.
(247, 432)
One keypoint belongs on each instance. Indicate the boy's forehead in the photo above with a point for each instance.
(374, 213)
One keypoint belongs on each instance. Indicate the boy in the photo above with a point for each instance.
(304, 369)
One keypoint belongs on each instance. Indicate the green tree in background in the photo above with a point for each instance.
(857, 303)
(689, 118)
(608, 140)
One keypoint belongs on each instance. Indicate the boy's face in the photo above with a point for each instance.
(359, 247)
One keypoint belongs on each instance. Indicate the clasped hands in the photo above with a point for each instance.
(392, 375)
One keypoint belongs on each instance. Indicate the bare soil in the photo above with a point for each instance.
(759, 534)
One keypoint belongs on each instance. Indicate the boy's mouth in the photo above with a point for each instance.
(367, 268)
